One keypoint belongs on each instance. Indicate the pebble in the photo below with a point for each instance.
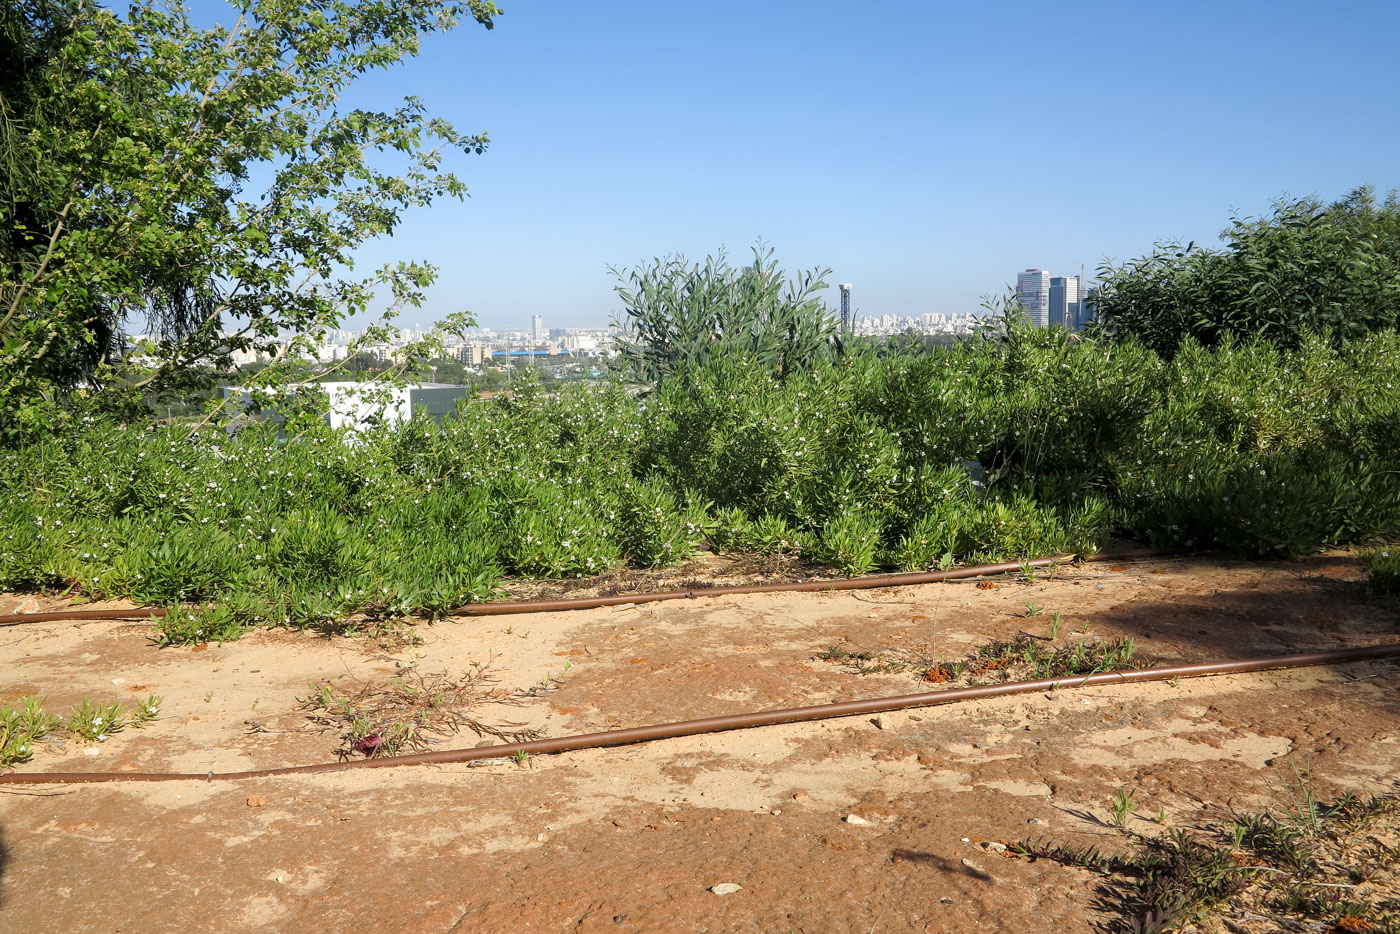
(856, 819)
(1035, 820)
(882, 722)
(257, 801)
(726, 888)
(91, 751)
(27, 606)
(994, 846)
(946, 900)
(975, 868)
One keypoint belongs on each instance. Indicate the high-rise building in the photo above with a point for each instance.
(1033, 293)
(845, 306)
(1064, 301)
(536, 326)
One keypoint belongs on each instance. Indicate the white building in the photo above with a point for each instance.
(1033, 292)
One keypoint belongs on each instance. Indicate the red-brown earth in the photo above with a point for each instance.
(634, 838)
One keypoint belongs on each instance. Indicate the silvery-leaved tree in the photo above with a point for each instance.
(204, 183)
(678, 315)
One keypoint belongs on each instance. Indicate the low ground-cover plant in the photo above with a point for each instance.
(25, 723)
(1021, 658)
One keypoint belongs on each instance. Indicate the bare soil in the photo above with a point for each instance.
(634, 838)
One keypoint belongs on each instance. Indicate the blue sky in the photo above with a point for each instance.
(924, 151)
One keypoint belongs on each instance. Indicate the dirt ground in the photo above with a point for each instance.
(634, 838)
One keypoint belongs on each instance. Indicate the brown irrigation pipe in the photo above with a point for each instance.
(587, 603)
(643, 734)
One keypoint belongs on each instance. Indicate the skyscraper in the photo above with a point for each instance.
(845, 306)
(1064, 301)
(536, 325)
(1033, 292)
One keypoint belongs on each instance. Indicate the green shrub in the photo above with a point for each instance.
(1382, 566)
(660, 527)
(851, 542)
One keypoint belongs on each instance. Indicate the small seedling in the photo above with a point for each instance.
(1086, 628)
(1028, 572)
(1032, 610)
(21, 726)
(149, 710)
(521, 757)
(208, 697)
(1175, 681)
(1056, 621)
(1161, 816)
(94, 722)
(1124, 806)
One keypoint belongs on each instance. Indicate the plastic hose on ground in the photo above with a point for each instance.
(502, 608)
(742, 721)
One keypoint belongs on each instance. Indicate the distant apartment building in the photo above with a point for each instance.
(1033, 293)
(473, 354)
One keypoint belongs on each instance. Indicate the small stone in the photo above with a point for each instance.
(726, 888)
(119, 681)
(257, 801)
(915, 718)
(994, 846)
(27, 606)
(856, 819)
(798, 795)
(777, 811)
(946, 900)
(485, 742)
(882, 722)
(1035, 820)
(92, 751)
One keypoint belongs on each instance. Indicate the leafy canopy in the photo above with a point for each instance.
(204, 182)
(1307, 267)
